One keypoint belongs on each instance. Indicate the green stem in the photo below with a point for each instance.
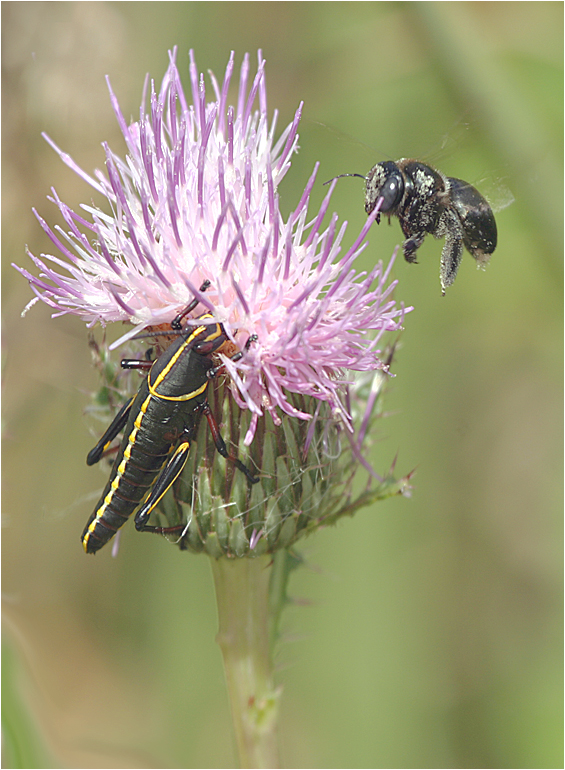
(242, 595)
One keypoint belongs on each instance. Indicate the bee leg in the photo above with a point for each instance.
(411, 246)
(452, 252)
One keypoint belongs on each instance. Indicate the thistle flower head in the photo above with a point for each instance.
(195, 198)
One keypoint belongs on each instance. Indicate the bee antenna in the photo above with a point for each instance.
(342, 175)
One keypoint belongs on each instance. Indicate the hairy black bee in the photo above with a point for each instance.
(425, 201)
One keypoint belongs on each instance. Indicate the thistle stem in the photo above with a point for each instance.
(242, 595)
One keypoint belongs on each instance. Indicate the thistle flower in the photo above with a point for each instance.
(196, 199)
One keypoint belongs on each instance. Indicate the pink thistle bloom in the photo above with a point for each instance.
(196, 198)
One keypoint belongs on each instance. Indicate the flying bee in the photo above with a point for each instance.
(425, 201)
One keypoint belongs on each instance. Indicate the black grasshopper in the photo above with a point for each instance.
(159, 424)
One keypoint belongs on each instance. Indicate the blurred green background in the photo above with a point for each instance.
(432, 632)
